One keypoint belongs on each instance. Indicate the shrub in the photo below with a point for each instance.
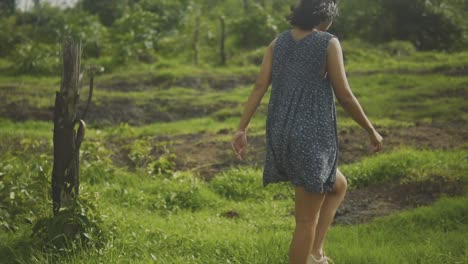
(254, 57)
(79, 223)
(36, 58)
(398, 48)
(95, 162)
(8, 35)
(23, 189)
(183, 191)
(258, 28)
(135, 36)
(238, 184)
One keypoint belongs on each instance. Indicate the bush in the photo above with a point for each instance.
(95, 163)
(135, 36)
(254, 57)
(23, 189)
(79, 223)
(183, 191)
(398, 48)
(36, 58)
(256, 29)
(238, 184)
(429, 25)
(8, 35)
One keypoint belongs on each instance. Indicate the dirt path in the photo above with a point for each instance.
(201, 153)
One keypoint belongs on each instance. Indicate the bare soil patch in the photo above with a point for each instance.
(22, 111)
(364, 204)
(116, 111)
(164, 82)
(459, 71)
(201, 153)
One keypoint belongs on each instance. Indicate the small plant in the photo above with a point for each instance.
(139, 153)
(79, 222)
(95, 162)
(165, 164)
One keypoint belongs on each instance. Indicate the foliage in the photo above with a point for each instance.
(8, 35)
(237, 184)
(23, 189)
(258, 28)
(80, 222)
(95, 160)
(36, 58)
(7, 7)
(142, 156)
(170, 13)
(182, 191)
(428, 25)
(398, 48)
(180, 218)
(81, 26)
(116, 33)
(108, 11)
(135, 36)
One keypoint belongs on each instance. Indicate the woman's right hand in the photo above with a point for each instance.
(239, 143)
(376, 140)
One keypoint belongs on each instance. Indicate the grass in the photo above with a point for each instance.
(420, 92)
(180, 219)
(403, 98)
(152, 213)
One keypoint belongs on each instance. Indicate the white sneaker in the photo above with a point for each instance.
(323, 260)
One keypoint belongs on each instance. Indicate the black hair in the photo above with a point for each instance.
(307, 14)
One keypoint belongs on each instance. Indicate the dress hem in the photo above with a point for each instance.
(326, 187)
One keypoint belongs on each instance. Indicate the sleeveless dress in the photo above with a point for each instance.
(301, 124)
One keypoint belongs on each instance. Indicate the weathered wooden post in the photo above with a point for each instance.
(245, 5)
(196, 37)
(223, 40)
(65, 181)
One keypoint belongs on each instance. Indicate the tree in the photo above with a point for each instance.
(259, 28)
(108, 11)
(170, 13)
(428, 24)
(7, 7)
(135, 36)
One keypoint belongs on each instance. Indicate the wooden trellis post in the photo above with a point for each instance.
(68, 129)
(222, 51)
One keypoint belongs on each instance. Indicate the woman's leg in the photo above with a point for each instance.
(307, 206)
(331, 203)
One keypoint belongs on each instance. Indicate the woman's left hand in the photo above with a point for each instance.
(239, 143)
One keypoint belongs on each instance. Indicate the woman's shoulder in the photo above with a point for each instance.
(280, 37)
(282, 34)
(327, 35)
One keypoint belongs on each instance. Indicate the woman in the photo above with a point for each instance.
(305, 67)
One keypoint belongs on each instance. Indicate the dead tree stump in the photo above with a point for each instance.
(67, 141)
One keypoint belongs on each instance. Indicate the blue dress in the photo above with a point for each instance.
(301, 124)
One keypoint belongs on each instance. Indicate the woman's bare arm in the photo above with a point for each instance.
(343, 93)
(260, 88)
